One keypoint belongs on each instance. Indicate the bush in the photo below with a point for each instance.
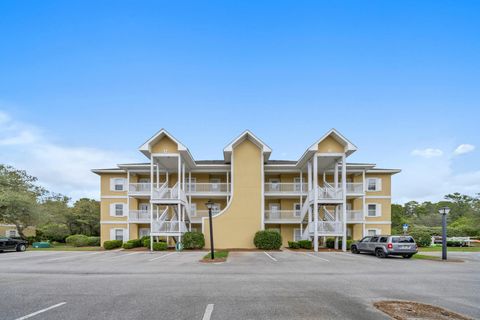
(94, 241)
(422, 237)
(454, 243)
(267, 240)
(112, 244)
(331, 243)
(146, 242)
(293, 245)
(134, 243)
(77, 240)
(128, 245)
(305, 244)
(54, 232)
(160, 246)
(193, 240)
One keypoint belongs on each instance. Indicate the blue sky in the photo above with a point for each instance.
(84, 83)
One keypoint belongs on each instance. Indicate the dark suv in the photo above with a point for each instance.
(12, 244)
(383, 246)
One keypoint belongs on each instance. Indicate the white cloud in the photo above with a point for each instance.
(59, 168)
(464, 148)
(427, 153)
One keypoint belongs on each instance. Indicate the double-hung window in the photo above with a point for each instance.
(374, 210)
(119, 234)
(118, 184)
(119, 209)
(374, 184)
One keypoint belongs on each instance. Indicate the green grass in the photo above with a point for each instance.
(426, 257)
(217, 255)
(64, 247)
(451, 249)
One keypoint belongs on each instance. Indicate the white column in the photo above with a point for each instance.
(151, 204)
(228, 187)
(179, 223)
(309, 168)
(335, 176)
(315, 202)
(344, 203)
(364, 204)
(183, 176)
(128, 205)
(179, 177)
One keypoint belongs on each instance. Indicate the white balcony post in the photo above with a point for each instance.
(151, 177)
(158, 175)
(228, 187)
(183, 176)
(309, 166)
(364, 205)
(335, 176)
(315, 202)
(151, 227)
(179, 222)
(179, 179)
(344, 202)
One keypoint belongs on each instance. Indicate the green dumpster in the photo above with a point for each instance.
(41, 245)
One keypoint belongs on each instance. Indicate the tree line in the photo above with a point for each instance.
(25, 204)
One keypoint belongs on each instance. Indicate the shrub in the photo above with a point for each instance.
(454, 243)
(146, 242)
(134, 243)
(193, 240)
(293, 245)
(112, 244)
(331, 243)
(77, 240)
(94, 241)
(305, 244)
(422, 237)
(54, 232)
(128, 245)
(160, 246)
(267, 240)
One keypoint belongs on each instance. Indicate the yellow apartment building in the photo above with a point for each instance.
(319, 195)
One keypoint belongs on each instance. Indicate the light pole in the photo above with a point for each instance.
(444, 211)
(209, 205)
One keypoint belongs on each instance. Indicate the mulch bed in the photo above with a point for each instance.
(408, 310)
(216, 260)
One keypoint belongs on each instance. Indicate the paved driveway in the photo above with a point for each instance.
(251, 285)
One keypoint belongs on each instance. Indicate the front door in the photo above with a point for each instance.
(274, 210)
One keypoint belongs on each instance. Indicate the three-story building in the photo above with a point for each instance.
(317, 196)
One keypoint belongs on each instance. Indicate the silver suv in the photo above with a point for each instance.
(383, 246)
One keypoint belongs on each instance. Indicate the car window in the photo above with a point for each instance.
(366, 239)
(383, 239)
(403, 240)
(374, 239)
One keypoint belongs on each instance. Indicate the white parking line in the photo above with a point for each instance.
(312, 255)
(127, 254)
(74, 256)
(208, 312)
(41, 311)
(270, 256)
(163, 256)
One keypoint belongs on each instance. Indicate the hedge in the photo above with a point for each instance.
(331, 243)
(160, 246)
(134, 243)
(112, 244)
(193, 240)
(146, 242)
(267, 240)
(422, 237)
(293, 245)
(305, 244)
(77, 240)
(94, 241)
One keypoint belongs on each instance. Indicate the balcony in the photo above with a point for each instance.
(168, 227)
(282, 188)
(142, 189)
(325, 228)
(354, 188)
(210, 188)
(197, 215)
(354, 215)
(282, 216)
(139, 216)
(328, 193)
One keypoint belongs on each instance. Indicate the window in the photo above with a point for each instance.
(374, 239)
(274, 210)
(297, 235)
(193, 209)
(119, 209)
(373, 210)
(119, 234)
(192, 186)
(372, 232)
(383, 239)
(12, 233)
(274, 184)
(118, 184)
(215, 208)
(366, 239)
(403, 240)
(297, 184)
(374, 184)
(297, 209)
(215, 184)
(143, 232)
(143, 207)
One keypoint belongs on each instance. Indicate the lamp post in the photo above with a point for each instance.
(444, 211)
(209, 205)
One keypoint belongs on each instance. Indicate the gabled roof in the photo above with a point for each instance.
(146, 147)
(247, 134)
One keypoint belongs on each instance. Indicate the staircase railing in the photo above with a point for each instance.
(328, 216)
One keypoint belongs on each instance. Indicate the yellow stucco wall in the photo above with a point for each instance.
(386, 184)
(235, 227)
(330, 145)
(105, 230)
(165, 145)
(28, 232)
(105, 184)
(386, 209)
(105, 210)
(384, 228)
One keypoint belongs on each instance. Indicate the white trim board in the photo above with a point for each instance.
(113, 222)
(377, 197)
(378, 222)
(114, 197)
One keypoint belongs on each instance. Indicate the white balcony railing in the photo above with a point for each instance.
(354, 215)
(209, 187)
(197, 215)
(169, 227)
(285, 187)
(327, 227)
(139, 215)
(354, 187)
(330, 193)
(139, 188)
(279, 216)
(166, 193)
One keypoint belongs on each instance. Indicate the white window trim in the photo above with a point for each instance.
(299, 231)
(378, 184)
(378, 210)
(7, 233)
(113, 184)
(113, 233)
(113, 212)
(193, 209)
(377, 232)
(295, 209)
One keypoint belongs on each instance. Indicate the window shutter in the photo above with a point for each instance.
(125, 235)
(124, 208)
(112, 234)
(112, 209)
(112, 184)
(125, 184)
(378, 210)
(379, 184)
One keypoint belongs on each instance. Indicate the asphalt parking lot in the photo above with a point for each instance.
(251, 285)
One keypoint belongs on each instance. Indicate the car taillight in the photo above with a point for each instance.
(389, 246)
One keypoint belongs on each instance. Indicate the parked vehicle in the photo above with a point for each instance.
(12, 244)
(383, 246)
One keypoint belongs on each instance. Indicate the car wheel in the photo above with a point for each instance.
(21, 248)
(355, 250)
(407, 256)
(380, 254)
